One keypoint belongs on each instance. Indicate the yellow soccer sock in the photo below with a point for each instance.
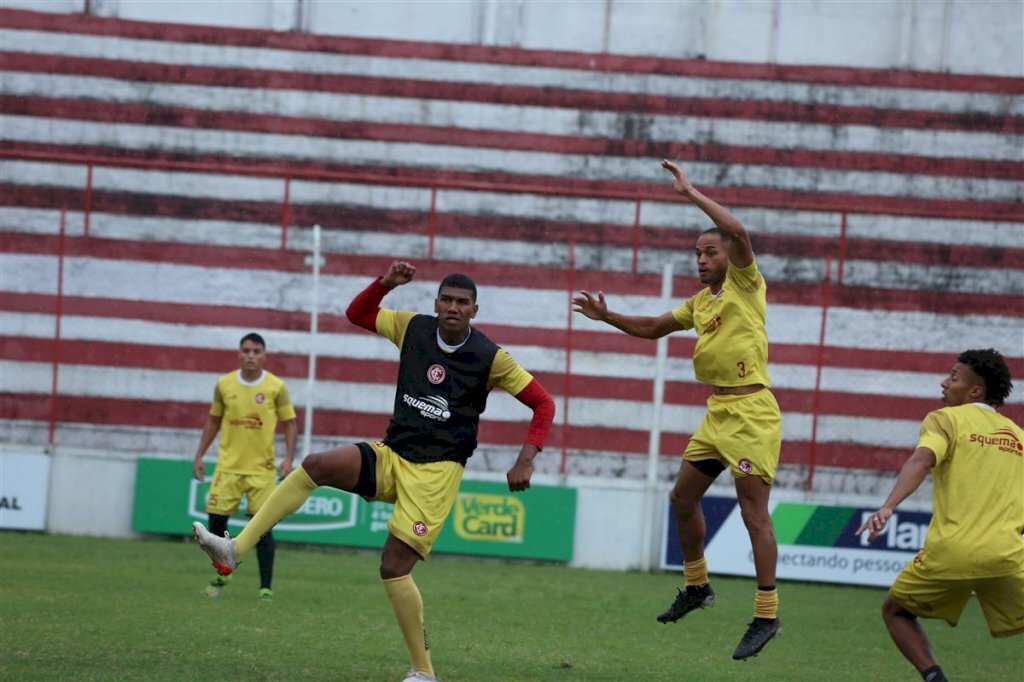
(766, 603)
(696, 572)
(408, 605)
(286, 498)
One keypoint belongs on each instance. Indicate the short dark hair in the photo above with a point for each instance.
(255, 338)
(991, 368)
(715, 230)
(457, 280)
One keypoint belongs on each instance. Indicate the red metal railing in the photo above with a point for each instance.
(287, 175)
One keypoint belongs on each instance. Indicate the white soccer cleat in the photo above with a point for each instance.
(418, 676)
(220, 550)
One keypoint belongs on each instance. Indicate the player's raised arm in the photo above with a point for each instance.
(363, 309)
(741, 253)
(644, 326)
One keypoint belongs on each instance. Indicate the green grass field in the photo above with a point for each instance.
(97, 609)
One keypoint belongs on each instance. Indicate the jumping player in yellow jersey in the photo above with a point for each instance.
(247, 404)
(742, 428)
(974, 542)
(446, 370)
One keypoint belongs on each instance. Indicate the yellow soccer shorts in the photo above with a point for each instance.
(743, 432)
(227, 489)
(423, 495)
(1001, 599)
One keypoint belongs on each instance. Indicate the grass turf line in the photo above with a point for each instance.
(102, 609)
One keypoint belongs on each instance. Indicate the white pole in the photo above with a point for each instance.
(314, 312)
(651, 505)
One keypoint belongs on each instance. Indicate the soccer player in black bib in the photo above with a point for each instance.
(446, 370)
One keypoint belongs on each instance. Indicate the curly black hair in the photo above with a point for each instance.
(990, 366)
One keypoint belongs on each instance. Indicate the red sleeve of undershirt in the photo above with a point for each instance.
(363, 309)
(537, 398)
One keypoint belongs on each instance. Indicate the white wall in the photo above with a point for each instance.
(960, 36)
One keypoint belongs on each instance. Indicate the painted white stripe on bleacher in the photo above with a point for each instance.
(852, 328)
(519, 118)
(668, 215)
(168, 52)
(364, 346)
(372, 153)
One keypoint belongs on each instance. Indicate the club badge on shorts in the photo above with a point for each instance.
(419, 528)
(745, 466)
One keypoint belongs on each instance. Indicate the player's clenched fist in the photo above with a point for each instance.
(399, 273)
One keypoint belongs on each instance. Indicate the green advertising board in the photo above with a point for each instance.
(486, 520)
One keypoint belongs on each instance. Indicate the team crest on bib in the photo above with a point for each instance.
(260, 398)
(435, 374)
(419, 528)
(745, 466)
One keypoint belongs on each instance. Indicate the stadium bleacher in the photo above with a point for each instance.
(191, 162)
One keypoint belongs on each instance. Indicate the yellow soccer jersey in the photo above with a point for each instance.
(506, 373)
(977, 493)
(249, 415)
(732, 342)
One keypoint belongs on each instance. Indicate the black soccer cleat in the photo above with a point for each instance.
(759, 632)
(693, 598)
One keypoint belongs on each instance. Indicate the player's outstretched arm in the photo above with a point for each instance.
(593, 306)
(741, 253)
(910, 478)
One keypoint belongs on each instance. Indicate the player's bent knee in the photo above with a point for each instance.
(338, 467)
(397, 559)
(683, 506)
(391, 567)
(756, 519)
(315, 466)
(891, 610)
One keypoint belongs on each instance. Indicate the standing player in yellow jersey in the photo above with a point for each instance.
(742, 428)
(247, 404)
(446, 370)
(974, 542)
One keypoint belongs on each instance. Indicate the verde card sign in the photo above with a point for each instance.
(489, 518)
(486, 520)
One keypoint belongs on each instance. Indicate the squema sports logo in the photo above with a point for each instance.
(1004, 439)
(326, 509)
(818, 526)
(493, 518)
